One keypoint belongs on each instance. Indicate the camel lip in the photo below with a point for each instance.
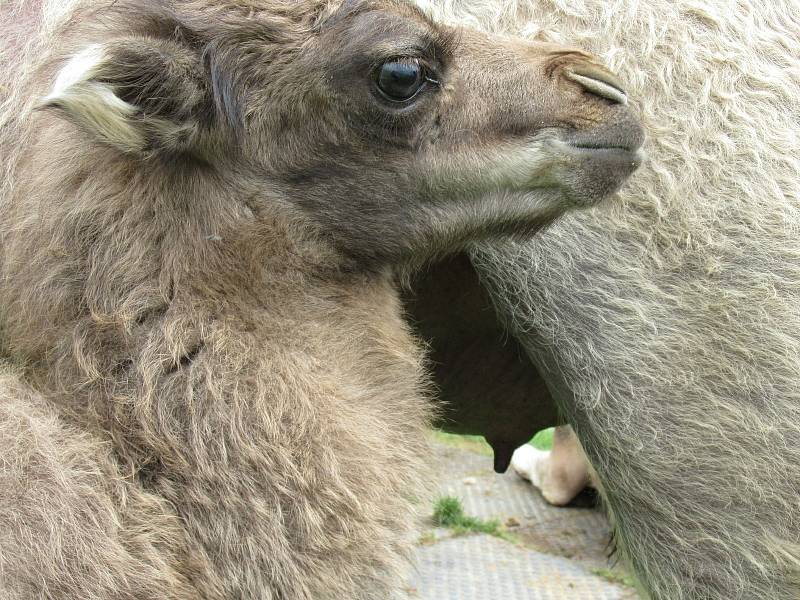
(624, 135)
(600, 146)
(609, 151)
(589, 172)
(634, 156)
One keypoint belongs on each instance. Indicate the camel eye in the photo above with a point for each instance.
(400, 80)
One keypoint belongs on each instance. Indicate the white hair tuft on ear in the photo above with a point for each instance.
(79, 69)
(94, 105)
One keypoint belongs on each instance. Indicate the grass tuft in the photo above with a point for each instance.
(449, 512)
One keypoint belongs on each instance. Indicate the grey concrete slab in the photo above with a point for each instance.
(481, 567)
(557, 554)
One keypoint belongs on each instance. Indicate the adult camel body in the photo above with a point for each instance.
(667, 329)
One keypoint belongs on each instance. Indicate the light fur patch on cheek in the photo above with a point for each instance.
(510, 167)
(506, 185)
(94, 106)
(525, 167)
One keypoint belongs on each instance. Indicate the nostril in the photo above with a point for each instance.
(598, 82)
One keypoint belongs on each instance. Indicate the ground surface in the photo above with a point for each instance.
(551, 554)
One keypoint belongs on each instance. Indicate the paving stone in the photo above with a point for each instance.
(481, 567)
(558, 549)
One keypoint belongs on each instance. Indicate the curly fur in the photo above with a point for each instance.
(668, 326)
(185, 445)
(209, 388)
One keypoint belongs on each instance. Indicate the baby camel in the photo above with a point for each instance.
(209, 390)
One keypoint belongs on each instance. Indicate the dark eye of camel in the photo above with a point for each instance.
(400, 80)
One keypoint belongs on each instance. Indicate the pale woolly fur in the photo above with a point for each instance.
(72, 514)
(669, 322)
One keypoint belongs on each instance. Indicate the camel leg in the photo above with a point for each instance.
(561, 473)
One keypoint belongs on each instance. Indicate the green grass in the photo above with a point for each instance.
(473, 443)
(543, 440)
(449, 512)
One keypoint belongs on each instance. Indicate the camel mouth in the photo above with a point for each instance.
(610, 147)
(631, 157)
(599, 150)
(623, 136)
(622, 161)
(596, 167)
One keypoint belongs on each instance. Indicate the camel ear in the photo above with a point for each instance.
(139, 95)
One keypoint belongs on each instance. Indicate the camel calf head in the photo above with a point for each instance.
(390, 135)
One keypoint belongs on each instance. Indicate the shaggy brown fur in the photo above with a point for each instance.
(210, 390)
